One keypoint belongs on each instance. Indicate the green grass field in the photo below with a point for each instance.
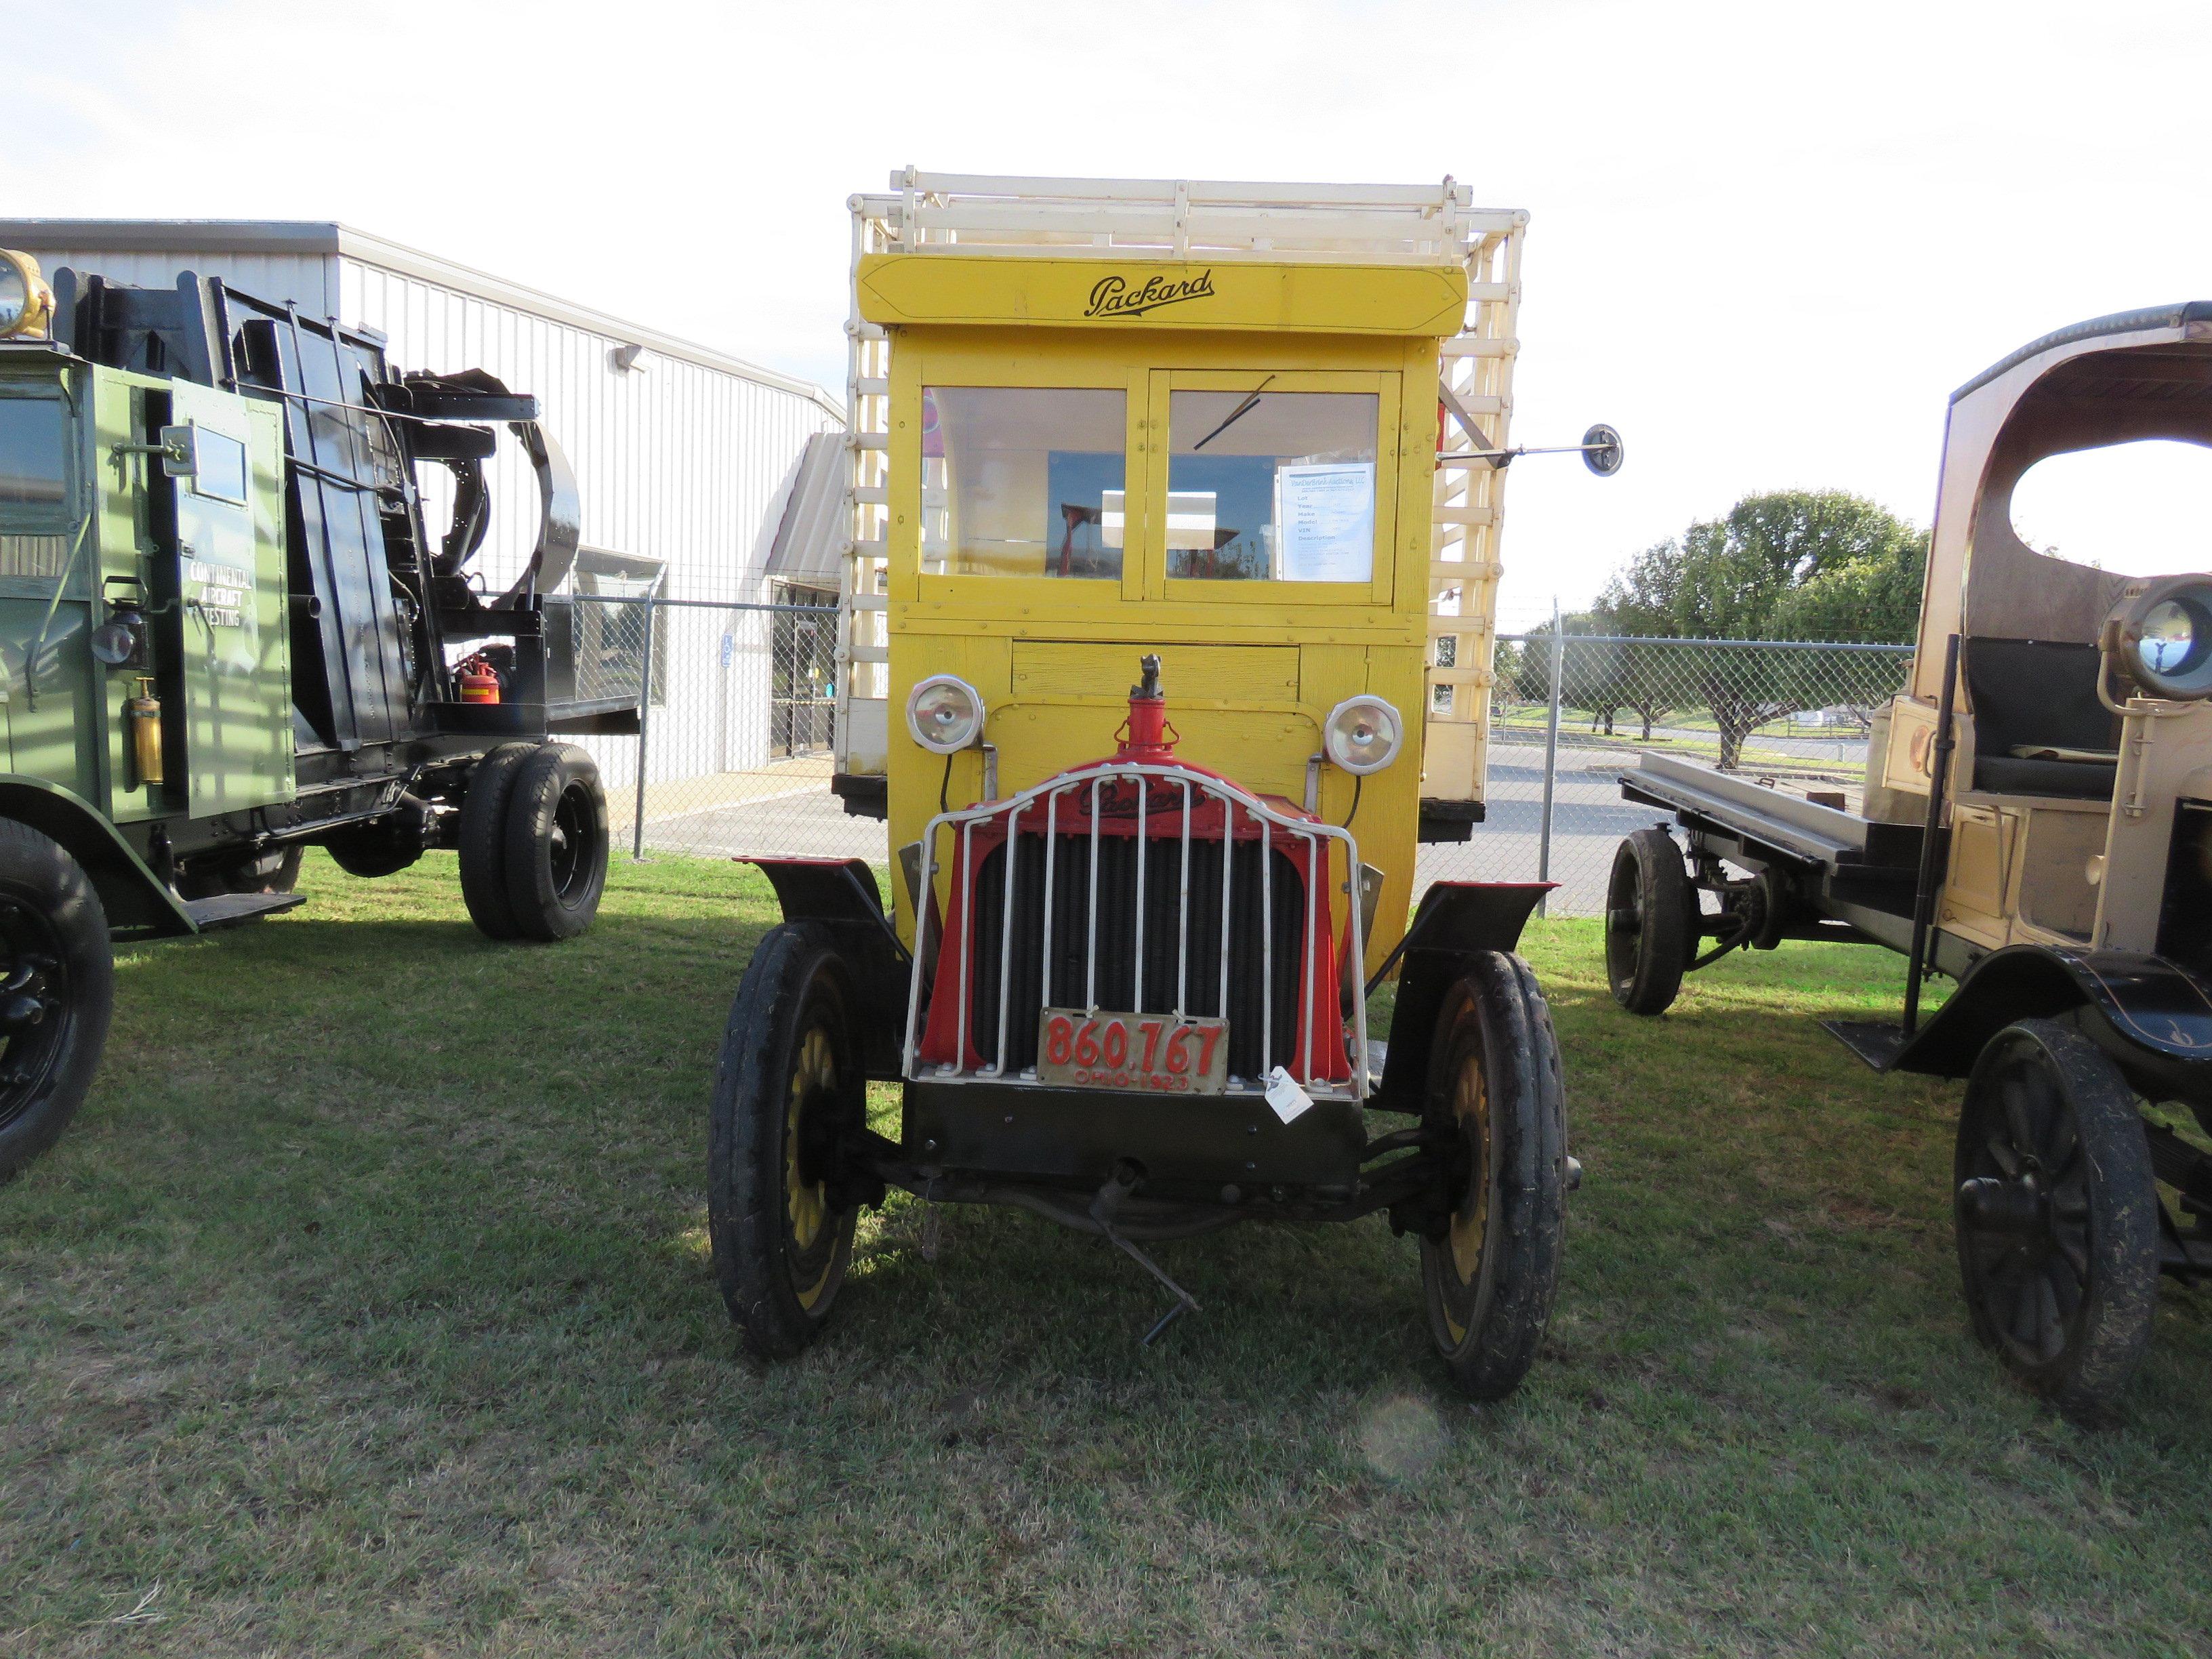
(366, 1310)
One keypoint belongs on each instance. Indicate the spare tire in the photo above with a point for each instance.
(556, 843)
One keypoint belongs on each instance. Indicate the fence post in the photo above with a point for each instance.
(644, 726)
(1551, 757)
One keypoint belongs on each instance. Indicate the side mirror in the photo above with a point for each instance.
(1601, 451)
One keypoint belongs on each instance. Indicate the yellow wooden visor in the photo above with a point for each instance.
(1122, 293)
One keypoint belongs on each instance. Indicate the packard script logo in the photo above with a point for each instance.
(1112, 296)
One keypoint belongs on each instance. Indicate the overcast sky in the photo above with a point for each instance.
(1767, 238)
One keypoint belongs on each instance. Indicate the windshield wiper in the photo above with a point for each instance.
(1234, 415)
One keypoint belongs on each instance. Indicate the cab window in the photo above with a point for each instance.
(222, 465)
(34, 486)
(31, 447)
(1023, 480)
(1271, 486)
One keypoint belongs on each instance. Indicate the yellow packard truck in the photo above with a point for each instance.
(1167, 625)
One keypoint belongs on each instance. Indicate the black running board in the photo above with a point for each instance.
(1877, 1042)
(233, 910)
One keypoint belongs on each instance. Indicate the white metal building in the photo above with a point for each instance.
(685, 458)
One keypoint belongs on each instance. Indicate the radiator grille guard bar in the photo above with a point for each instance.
(1057, 909)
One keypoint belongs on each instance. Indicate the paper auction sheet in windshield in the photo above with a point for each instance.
(1325, 519)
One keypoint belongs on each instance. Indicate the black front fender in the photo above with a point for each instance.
(841, 894)
(138, 904)
(2151, 1015)
(1456, 920)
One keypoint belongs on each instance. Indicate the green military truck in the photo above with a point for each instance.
(228, 632)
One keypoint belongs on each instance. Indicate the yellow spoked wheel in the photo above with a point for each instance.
(807, 1189)
(1465, 1244)
(1496, 1118)
(789, 1099)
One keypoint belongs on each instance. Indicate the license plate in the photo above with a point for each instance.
(1155, 1054)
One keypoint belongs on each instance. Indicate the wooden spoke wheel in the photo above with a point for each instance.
(1496, 1107)
(1650, 910)
(788, 1095)
(2057, 1215)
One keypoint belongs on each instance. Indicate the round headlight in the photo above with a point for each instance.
(1363, 734)
(14, 295)
(2164, 639)
(944, 713)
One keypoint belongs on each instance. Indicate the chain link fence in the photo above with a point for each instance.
(737, 720)
(739, 714)
(1568, 713)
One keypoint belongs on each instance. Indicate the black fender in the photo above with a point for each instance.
(138, 903)
(1456, 920)
(840, 894)
(2150, 1014)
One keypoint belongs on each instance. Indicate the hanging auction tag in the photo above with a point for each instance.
(1285, 1096)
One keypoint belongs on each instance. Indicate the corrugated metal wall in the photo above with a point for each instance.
(675, 461)
(309, 280)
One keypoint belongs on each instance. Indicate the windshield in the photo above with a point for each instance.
(1023, 480)
(1271, 486)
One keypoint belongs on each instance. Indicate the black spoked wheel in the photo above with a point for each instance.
(1497, 1102)
(788, 1095)
(57, 991)
(2056, 1215)
(556, 843)
(1650, 935)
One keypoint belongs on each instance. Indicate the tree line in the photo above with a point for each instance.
(1785, 565)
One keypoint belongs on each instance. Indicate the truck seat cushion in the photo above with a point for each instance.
(2004, 775)
(2033, 700)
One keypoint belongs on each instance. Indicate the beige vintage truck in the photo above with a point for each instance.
(2037, 826)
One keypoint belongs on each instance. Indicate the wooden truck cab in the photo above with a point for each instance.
(1166, 634)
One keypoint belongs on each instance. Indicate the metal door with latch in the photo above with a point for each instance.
(237, 725)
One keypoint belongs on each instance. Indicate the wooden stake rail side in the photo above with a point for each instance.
(1182, 220)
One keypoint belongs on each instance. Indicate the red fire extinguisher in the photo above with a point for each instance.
(479, 681)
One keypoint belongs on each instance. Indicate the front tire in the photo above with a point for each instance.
(1496, 1100)
(57, 991)
(788, 1090)
(2057, 1216)
(1650, 911)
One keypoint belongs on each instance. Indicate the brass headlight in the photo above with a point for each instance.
(26, 304)
(2161, 639)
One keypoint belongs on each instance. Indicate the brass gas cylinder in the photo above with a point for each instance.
(141, 715)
